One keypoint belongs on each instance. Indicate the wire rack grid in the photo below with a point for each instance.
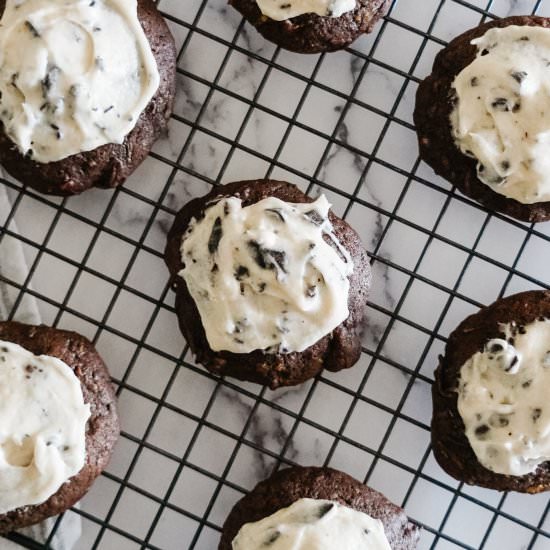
(341, 124)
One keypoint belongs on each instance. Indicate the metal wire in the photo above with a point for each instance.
(171, 522)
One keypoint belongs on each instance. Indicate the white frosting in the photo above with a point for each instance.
(502, 114)
(280, 10)
(503, 400)
(264, 276)
(42, 426)
(74, 74)
(311, 524)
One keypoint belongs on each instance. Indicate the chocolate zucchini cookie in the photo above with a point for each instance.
(491, 414)
(319, 508)
(271, 286)
(482, 116)
(86, 89)
(58, 418)
(312, 27)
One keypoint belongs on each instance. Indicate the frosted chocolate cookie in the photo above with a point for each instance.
(483, 116)
(491, 420)
(320, 508)
(58, 422)
(312, 26)
(86, 87)
(271, 287)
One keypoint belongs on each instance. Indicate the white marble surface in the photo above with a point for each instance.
(96, 267)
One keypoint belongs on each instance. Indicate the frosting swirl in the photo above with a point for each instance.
(74, 74)
(269, 276)
(313, 524)
(280, 11)
(502, 111)
(503, 400)
(42, 426)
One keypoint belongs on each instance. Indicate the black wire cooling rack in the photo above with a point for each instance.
(192, 444)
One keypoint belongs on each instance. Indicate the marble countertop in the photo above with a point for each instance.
(340, 124)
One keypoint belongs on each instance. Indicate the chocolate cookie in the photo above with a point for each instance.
(338, 350)
(102, 429)
(312, 33)
(434, 104)
(450, 444)
(287, 486)
(109, 165)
